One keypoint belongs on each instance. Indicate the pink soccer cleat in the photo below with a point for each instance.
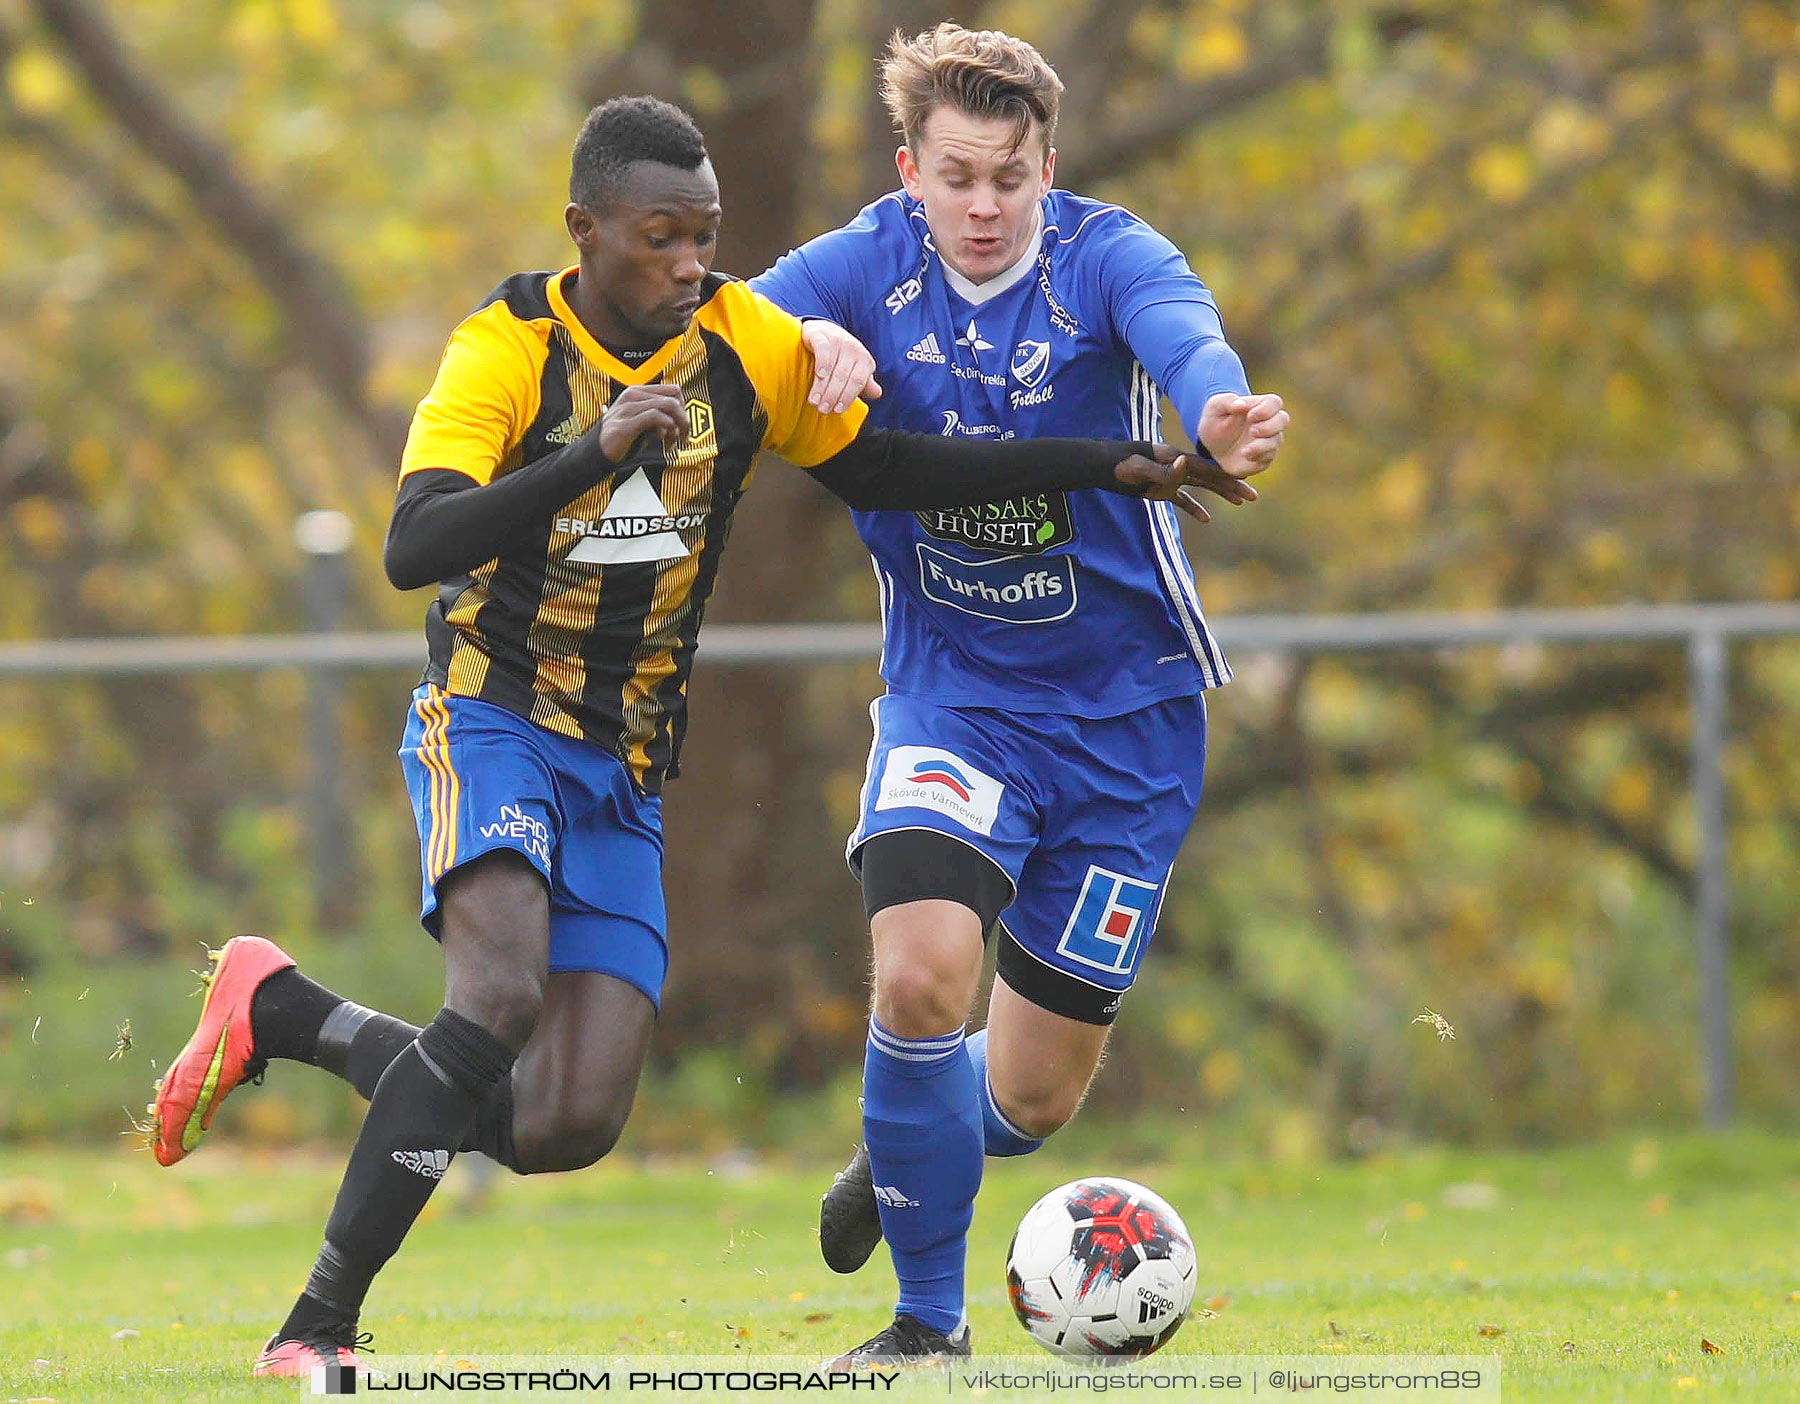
(326, 1347)
(220, 1054)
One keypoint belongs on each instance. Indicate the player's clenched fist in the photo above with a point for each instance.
(1243, 432)
(639, 410)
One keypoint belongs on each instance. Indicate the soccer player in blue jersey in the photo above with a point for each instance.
(1038, 753)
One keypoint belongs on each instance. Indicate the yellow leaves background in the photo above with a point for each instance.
(1525, 274)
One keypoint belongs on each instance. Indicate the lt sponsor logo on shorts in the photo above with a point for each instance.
(927, 777)
(1012, 590)
(1111, 920)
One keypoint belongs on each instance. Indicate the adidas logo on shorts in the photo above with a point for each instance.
(429, 1163)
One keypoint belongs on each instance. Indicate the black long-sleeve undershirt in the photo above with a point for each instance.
(444, 525)
(892, 469)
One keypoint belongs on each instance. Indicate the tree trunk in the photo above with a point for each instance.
(757, 900)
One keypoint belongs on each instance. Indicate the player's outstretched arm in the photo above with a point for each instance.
(1168, 320)
(890, 469)
(445, 525)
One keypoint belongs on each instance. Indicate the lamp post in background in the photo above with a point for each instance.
(324, 537)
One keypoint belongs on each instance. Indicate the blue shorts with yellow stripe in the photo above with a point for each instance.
(483, 778)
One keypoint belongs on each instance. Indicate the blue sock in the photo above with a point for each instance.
(922, 1124)
(999, 1135)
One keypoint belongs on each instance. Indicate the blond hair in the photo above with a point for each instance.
(981, 73)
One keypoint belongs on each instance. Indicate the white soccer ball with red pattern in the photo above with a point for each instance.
(1101, 1268)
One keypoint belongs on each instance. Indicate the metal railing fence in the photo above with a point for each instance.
(1706, 631)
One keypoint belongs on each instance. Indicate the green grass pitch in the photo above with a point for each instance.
(1593, 1273)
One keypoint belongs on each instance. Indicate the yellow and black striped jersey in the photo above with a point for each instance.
(587, 625)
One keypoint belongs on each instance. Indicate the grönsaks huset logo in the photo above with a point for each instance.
(1017, 526)
(1012, 590)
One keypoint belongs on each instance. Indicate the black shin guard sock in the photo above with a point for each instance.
(420, 1114)
(286, 1013)
(491, 1131)
(358, 1045)
(312, 1318)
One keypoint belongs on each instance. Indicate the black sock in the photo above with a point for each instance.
(286, 1013)
(359, 1044)
(491, 1131)
(312, 1319)
(299, 1019)
(422, 1110)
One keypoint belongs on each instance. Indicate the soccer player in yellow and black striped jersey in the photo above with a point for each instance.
(585, 622)
(568, 485)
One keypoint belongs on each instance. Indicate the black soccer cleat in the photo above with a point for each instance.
(908, 1342)
(849, 1218)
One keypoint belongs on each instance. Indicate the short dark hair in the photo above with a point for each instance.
(618, 134)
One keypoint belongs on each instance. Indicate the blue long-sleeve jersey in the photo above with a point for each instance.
(1081, 602)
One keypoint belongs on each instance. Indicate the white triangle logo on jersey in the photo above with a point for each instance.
(635, 528)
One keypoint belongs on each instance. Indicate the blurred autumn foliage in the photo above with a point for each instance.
(1525, 272)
